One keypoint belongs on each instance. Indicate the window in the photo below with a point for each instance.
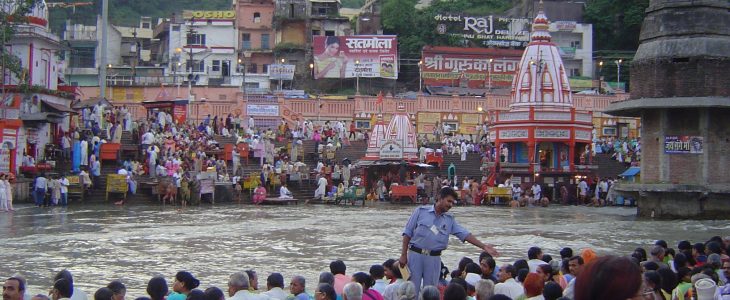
(196, 39)
(266, 69)
(329, 33)
(322, 11)
(575, 44)
(362, 124)
(316, 32)
(257, 17)
(264, 41)
(252, 68)
(83, 58)
(246, 41)
(175, 27)
(197, 65)
(574, 72)
(146, 25)
(216, 65)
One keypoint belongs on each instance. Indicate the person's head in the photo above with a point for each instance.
(639, 254)
(522, 274)
(406, 291)
(534, 285)
(521, 264)
(657, 252)
(214, 293)
(726, 269)
(650, 266)
(184, 282)
(253, 278)
(713, 247)
(487, 264)
(575, 264)
(661, 243)
(118, 289)
(680, 260)
(275, 280)
(331, 46)
(506, 272)
(65, 274)
(566, 253)
(552, 291)
(447, 196)
(297, 285)
(364, 280)
(454, 292)
(500, 297)
(195, 294)
(104, 293)
(484, 289)
(684, 246)
(62, 288)
(668, 280)
(352, 291)
(14, 288)
(157, 288)
(684, 274)
(608, 277)
(471, 268)
(338, 267)
(430, 293)
(325, 291)
(652, 280)
(377, 272)
(327, 277)
(545, 271)
(237, 282)
(534, 253)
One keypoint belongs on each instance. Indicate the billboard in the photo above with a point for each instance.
(262, 110)
(482, 68)
(281, 72)
(683, 144)
(356, 56)
(487, 31)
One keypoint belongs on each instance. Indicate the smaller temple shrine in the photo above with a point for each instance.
(542, 138)
(395, 142)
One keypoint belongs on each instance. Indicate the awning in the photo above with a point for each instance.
(368, 163)
(58, 107)
(90, 102)
(631, 172)
(42, 117)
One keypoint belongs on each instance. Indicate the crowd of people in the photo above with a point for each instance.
(697, 271)
(624, 150)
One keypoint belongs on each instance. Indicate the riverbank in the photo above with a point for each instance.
(99, 243)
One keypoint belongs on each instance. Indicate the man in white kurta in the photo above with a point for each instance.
(321, 188)
(84, 153)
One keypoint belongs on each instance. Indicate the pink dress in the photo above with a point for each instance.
(259, 195)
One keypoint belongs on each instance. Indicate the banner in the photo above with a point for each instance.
(487, 31)
(479, 67)
(356, 56)
(683, 144)
(262, 110)
(281, 72)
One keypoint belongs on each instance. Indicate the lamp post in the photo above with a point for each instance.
(618, 73)
(420, 76)
(280, 69)
(357, 77)
(177, 82)
(106, 79)
(600, 68)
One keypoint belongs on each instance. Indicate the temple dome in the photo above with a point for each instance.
(540, 79)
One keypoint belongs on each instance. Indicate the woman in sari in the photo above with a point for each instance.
(259, 194)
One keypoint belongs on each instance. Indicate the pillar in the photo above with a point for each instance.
(531, 155)
(571, 155)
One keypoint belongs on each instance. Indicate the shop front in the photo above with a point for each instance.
(178, 109)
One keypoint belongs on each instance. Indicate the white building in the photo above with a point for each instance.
(33, 112)
(575, 43)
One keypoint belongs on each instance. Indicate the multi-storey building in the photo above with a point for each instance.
(254, 24)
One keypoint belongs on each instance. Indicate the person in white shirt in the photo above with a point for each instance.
(28, 161)
(377, 272)
(64, 189)
(507, 285)
(534, 254)
(275, 287)
(284, 193)
(536, 192)
(77, 293)
(238, 285)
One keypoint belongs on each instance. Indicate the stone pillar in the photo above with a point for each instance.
(531, 155)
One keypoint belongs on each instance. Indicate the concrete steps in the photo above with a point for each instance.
(609, 167)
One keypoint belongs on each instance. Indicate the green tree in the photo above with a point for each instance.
(616, 23)
(9, 21)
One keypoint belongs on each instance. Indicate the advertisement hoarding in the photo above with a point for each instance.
(356, 56)
(281, 72)
(486, 31)
(482, 68)
(262, 110)
(683, 144)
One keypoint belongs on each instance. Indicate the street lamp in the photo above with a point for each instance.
(489, 75)
(175, 79)
(618, 73)
(357, 77)
(281, 67)
(311, 69)
(420, 76)
(600, 69)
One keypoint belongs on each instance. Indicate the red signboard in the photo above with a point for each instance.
(179, 112)
(356, 56)
(481, 67)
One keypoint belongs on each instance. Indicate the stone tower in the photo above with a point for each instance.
(680, 81)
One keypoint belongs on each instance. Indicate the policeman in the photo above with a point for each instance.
(426, 235)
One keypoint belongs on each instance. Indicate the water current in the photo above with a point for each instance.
(99, 243)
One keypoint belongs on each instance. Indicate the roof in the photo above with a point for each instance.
(90, 102)
(42, 117)
(58, 107)
(631, 172)
(473, 51)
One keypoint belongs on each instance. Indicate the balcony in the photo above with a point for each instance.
(567, 52)
(80, 35)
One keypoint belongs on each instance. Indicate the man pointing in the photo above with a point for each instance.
(426, 235)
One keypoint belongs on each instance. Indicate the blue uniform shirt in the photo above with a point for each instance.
(431, 232)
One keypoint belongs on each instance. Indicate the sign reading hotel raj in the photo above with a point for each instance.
(391, 151)
(210, 14)
(683, 144)
(356, 56)
(488, 31)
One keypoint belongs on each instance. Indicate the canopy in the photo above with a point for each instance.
(631, 172)
(58, 107)
(369, 163)
(90, 103)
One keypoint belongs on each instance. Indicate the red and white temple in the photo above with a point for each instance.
(544, 136)
(397, 141)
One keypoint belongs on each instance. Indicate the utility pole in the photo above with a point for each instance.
(104, 41)
(190, 33)
(136, 56)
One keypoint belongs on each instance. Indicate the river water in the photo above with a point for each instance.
(100, 243)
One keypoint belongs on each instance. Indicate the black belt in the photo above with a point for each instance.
(424, 251)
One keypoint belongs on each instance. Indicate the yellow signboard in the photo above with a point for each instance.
(429, 118)
(210, 14)
(116, 183)
(470, 118)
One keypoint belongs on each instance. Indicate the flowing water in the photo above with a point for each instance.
(100, 243)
